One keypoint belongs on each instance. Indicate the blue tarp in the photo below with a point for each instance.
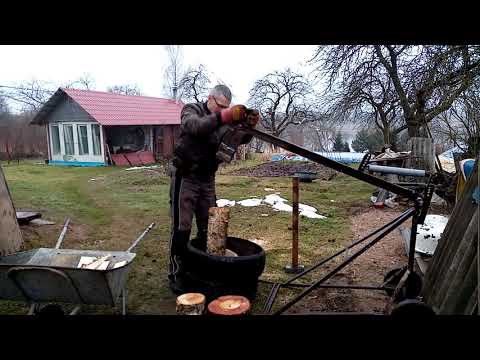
(467, 167)
(449, 153)
(342, 157)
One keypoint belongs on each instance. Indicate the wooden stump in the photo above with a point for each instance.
(218, 219)
(11, 239)
(190, 304)
(229, 305)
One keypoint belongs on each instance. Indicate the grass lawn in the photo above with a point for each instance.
(109, 207)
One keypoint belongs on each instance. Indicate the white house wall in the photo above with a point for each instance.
(76, 159)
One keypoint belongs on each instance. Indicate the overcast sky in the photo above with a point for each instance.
(236, 65)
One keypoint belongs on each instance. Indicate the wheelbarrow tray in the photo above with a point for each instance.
(52, 275)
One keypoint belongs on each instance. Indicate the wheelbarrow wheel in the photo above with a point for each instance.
(413, 286)
(412, 307)
(50, 310)
(392, 278)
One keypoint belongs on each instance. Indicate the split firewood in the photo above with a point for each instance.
(190, 304)
(95, 264)
(218, 219)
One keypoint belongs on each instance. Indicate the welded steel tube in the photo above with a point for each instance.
(396, 170)
(339, 267)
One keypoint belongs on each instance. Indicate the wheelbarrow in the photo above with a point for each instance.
(47, 275)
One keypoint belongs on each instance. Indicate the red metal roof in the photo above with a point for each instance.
(114, 109)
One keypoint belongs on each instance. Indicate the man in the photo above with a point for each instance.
(209, 135)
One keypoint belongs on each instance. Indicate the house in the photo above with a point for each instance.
(93, 128)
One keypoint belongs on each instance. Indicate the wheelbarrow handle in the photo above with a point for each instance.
(135, 243)
(62, 235)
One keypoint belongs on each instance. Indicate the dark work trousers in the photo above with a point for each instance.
(189, 195)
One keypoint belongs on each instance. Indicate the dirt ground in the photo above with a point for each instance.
(368, 269)
(286, 168)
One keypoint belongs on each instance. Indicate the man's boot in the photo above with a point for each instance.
(177, 281)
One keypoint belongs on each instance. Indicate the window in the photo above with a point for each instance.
(68, 138)
(96, 139)
(82, 140)
(55, 140)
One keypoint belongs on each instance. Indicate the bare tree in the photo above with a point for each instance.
(426, 79)
(460, 125)
(320, 134)
(86, 81)
(174, 72)
(30, 94)
(282, 99)
(195, 84)
(364, 96)
(127, 89)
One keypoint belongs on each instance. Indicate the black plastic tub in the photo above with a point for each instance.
(306, 176)
(216, 276)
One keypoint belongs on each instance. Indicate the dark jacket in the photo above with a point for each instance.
(201, 133)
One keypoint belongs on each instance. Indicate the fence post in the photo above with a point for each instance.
(294, 267)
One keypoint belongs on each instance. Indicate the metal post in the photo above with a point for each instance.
(295, 223)
(413, 240)
(294, 267)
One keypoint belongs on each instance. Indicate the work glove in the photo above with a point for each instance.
(235, 114)
(253, 117)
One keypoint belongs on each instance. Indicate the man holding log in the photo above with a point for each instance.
(209, 135)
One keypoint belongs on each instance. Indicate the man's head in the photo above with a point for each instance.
(219, 98)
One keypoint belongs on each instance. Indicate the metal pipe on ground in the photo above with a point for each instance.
(396, 170)
(330, 286)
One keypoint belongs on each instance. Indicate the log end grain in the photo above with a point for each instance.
(229, 305)
(190, 304)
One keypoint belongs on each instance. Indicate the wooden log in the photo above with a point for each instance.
(218, 219)
(229, 305)
(190, 304)
(11, 239)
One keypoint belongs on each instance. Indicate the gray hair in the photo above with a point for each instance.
(221, 90)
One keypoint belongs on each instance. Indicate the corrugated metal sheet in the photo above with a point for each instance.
(114, 109)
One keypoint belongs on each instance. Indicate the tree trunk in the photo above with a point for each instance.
(415, 124)
(218, 219)
(190, 304)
